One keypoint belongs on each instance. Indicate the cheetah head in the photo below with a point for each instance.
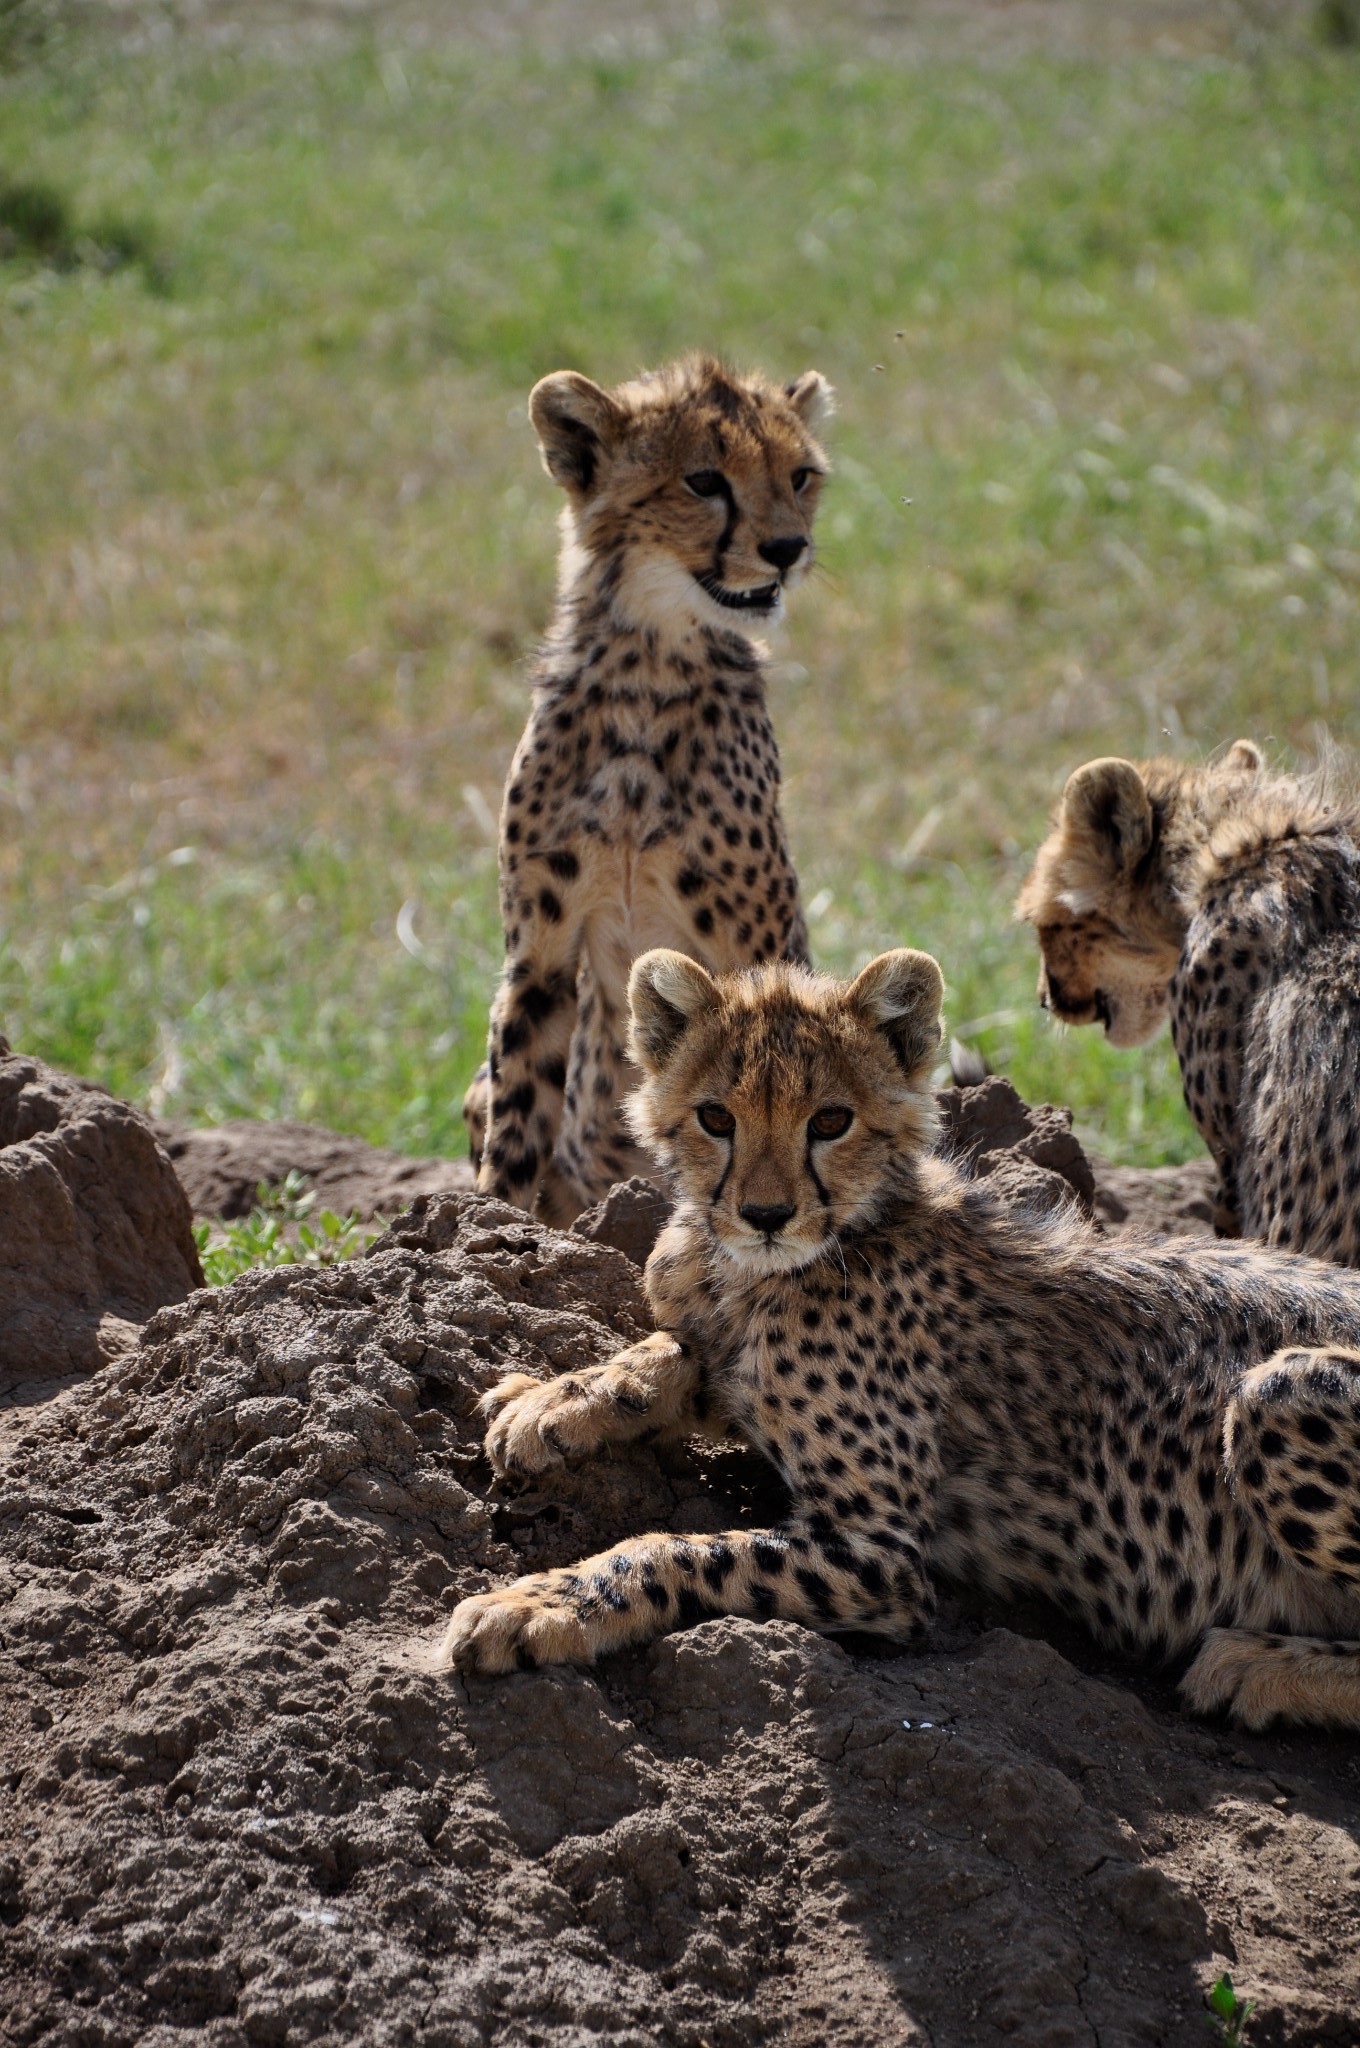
(1105, 893)
(786, 1106)
(690, 492)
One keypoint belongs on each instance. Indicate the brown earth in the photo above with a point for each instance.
(1168, 1201)
(1027, 1151)
(236, 1807)
(221, 1168)
(95, 1232)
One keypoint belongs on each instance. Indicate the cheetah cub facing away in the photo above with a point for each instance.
(1230, 897)
(1162, 1440)
(642, 806)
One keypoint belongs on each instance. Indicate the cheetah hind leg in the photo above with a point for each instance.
(561, 1197)
(1257, 1679)
(1292, 1439)
(474, 1112)
(652, 1389)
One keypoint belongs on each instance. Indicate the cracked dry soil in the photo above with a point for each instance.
(236, 1809)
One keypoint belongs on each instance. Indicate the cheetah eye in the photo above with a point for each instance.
(707, 483)
(832, 1122)
(717, 1121)
(802, 477)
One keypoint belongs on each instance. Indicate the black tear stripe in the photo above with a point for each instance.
(729, 529)
(823, 1194)
(722, 1182)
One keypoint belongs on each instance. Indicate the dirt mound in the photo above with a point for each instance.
(1028, 1154)
(222, 1165)
(630, 1217)
(94, 1229)
(242, 1812)
(1170, 1201)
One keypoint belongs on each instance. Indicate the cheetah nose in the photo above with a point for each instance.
(767, 1216)
(782, 554)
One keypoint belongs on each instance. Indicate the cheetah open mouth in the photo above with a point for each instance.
(1095, 1010)
(763, 598)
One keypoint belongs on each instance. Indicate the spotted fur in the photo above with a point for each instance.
(1164, 1439)
(1229, 897)
(642, 807)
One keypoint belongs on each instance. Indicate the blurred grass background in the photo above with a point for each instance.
(275, 547)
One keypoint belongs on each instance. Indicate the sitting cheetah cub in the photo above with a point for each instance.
(642, 806)
(1161, 1439)
(1231, 897)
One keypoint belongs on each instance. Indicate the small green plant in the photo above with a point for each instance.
(1228, 2014)
(280, 1231)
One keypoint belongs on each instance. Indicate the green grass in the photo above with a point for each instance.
(284, 1228)
(274, 543)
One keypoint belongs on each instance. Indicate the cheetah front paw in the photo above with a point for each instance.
(516, 1628)
(535, 1424)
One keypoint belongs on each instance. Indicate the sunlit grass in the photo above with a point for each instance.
(284, 1228)
(274, 542)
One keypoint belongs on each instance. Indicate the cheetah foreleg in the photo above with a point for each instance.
(798, 1571)
(649, 1390)
(1257, 1679)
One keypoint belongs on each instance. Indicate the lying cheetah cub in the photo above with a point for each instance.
(1231, 897)
(642, 806)
(1163, 1440)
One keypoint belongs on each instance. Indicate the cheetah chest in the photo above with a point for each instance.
(698, 863)
(846, 1428)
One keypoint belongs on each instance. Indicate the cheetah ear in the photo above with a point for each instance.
(1245, 756)
(900, 993)
(576, 423)
(1108, 801)
(666, 992)
(812, 398)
